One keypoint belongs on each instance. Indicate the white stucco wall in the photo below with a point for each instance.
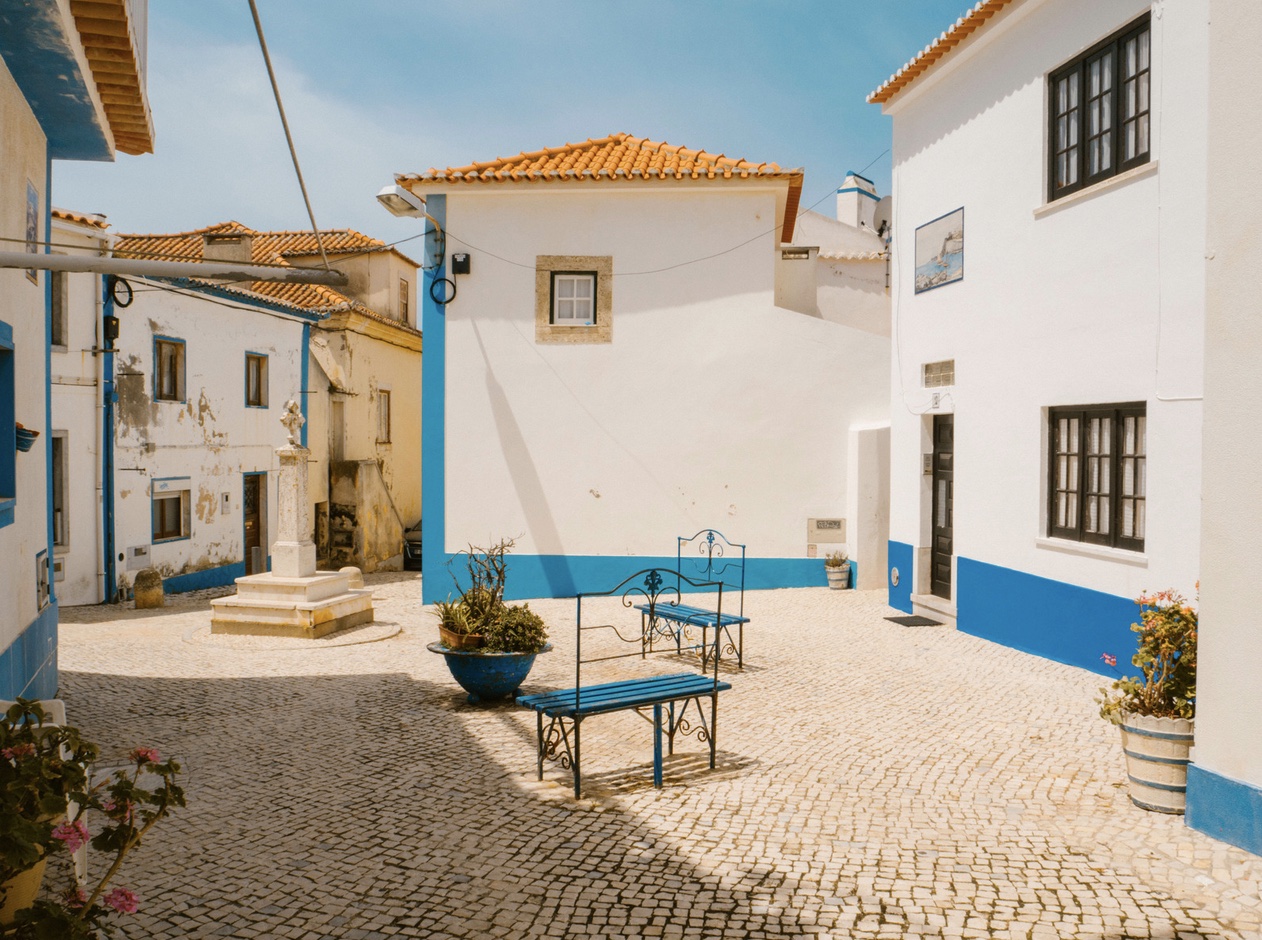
(22, 159)
(77, 413)
(1096, 300)
(1229, 696)
(711, 406)
(211, 438)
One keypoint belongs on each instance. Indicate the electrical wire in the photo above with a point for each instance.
(271, 74)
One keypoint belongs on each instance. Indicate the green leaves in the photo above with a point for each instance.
(1166, 659)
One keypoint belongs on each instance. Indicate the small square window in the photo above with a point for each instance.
(255, 380)
(574, 298)
(170, 515)
(939, 374)
(383, 416)
(168, 373)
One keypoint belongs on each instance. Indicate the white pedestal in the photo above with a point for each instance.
(311, 607)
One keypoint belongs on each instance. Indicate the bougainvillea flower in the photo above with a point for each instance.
(122, 900)
(72, 834)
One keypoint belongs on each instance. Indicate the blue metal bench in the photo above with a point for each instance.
(708, 556)
(670, 697)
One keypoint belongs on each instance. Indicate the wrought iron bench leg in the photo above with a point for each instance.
(539, 733)
(578, 779)
(714, 725)
(657, 745)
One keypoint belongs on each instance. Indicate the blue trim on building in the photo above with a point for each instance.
(565, 575)
(433, 415)
(29, 666)
(305, 373)
(859, 176)
(1227, 809)
(48, 377)
(1060, 621)
(221, 576)
(903, 557)
(38, 46)
(862, 192)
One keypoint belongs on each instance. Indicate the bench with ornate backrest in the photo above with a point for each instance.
(707, 556)
(671, 698)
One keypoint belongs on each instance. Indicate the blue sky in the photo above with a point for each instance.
(375, 87)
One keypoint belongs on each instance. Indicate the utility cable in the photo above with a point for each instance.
(271, 74)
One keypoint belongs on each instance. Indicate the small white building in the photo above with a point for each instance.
(63, 96)
(628, 348)
(1048, 286)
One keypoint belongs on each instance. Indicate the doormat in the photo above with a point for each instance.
(914, 621)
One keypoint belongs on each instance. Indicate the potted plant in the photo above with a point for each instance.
(25, 437)
(44, 799)
(837, 568)
(489, 646)
(1155, 710)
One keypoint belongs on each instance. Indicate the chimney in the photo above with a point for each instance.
(856, 202)
(230, 247)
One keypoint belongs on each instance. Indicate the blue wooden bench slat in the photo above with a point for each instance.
(698, 616)
(630, 693)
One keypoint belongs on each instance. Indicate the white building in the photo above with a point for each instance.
(614, 369)
(63, 96)
(1225, 782)
(181, 418)
(1048, 287)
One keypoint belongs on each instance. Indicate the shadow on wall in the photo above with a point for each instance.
(355, 801)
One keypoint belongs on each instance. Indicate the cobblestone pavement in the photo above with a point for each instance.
(874, 781)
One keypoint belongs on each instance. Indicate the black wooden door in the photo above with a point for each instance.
(941, 547)
(253, 521)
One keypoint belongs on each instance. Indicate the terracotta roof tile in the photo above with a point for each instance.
(964, 27)
(82, 218)
(270, 248)
(616, 157)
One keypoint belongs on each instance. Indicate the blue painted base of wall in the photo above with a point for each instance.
(1226, 809)
(1064, 622)
(901, 556)
(566, 575)
(29, 666)
(206, 578)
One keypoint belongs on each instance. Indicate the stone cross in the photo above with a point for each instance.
(293, 421)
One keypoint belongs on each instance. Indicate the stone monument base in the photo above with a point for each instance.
(310, 607)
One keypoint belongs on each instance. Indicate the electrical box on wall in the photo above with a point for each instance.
(137, 557)
(460, 262)
(225, 503)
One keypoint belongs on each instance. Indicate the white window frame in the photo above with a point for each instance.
(183, 498)
(569, 307)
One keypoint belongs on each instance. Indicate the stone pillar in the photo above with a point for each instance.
(293, 552)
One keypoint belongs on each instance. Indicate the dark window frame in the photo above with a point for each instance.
(552, 297)
(1077, 531)
(181, 499)
(181, 367)
(261, 400)
(1080, 66)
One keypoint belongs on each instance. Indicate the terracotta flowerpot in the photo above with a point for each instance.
(1157, 752)
(20, 891)
(459, 641)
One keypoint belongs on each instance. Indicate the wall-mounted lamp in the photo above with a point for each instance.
(401, 202)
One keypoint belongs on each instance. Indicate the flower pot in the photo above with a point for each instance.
(838, 576)
(487, 676)
(1157, 752)
(459, 641)
(19, 892)
(26, 438)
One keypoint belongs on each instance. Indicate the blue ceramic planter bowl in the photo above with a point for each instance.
(26, 439)
(487, 676)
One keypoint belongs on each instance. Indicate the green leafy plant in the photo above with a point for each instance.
(132, 801)
(835, 559)
(1166, 659)
(517, 629)
(481, 609)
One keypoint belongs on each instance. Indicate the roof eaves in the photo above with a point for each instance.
(965, 26)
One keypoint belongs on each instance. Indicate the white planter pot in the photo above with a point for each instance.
(838, 578)
(1157, 752)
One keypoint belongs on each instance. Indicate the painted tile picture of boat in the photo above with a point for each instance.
(940, 251)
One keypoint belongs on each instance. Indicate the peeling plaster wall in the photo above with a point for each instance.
(210, 437)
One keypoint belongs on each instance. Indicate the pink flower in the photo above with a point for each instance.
(118, 811)
(18, 750)
(1109, 659)
(144, 755)
(122, 900)
(72, 834)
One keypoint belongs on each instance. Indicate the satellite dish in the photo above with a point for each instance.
(884, 213)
